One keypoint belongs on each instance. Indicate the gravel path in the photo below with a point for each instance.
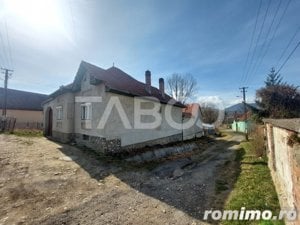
(42, 182)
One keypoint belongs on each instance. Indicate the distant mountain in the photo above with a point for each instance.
(238, 108)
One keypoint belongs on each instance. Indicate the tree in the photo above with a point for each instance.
(278, 99)
(273, 78)
(181, 86)
(209, 114)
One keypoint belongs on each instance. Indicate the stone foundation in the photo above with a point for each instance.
(159, 141)
(110, 146)
(62, 137)
(99, 144)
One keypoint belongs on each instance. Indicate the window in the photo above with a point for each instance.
(86, 111)
(59, 112)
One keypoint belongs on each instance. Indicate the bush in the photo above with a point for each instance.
(257, 142)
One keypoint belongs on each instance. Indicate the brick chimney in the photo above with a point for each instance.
(162, 86)
(148, 81)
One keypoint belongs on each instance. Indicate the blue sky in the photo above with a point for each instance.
(206, 38)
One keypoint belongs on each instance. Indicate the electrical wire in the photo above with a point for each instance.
(258, 39)
(275, 31)
(251, 42)
(9, 47)
(289, 56)
(259, 57)
(287, 46)
(5, 58)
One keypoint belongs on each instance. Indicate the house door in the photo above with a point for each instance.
(49, 122)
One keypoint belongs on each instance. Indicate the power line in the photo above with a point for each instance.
(287, 59)
(251, 42)
(259, 58)
(8, 44)
(288, 45)
(7, 76)
(5, 59)
(275, 31)
(257, 40)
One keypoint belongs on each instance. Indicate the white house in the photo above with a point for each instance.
(109, 111)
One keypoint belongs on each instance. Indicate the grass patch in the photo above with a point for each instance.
(254, 187)
(27, 133)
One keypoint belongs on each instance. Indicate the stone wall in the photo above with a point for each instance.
(159, 141)
(99, 144)
(109, 146)
(284, 161)
(113, 145)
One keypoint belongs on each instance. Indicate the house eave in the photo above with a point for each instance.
(125, 93)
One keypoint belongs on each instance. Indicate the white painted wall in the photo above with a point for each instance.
(66, 101)
(114, 127)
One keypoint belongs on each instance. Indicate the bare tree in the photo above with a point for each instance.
(209, 114)
(181, 86)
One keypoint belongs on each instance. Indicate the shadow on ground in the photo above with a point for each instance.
(191, 182)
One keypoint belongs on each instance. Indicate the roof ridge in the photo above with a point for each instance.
(29, 92)
(90, 64)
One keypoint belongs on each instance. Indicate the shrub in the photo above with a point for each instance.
(257, 142)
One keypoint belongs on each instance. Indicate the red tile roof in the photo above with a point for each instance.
(191, 110)
(115, 80)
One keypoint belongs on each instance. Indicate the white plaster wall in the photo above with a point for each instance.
(282, 158)
(194, 131)
(67, 102)
(114, 127)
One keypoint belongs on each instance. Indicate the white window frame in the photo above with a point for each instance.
(59, 113)
(86, 111)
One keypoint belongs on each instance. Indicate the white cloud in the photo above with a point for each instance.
(215, 101)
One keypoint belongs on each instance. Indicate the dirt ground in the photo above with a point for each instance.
(43, 182)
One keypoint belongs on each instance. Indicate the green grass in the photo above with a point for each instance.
(27, 133)
(254, 187)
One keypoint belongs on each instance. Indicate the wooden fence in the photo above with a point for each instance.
(7, 124)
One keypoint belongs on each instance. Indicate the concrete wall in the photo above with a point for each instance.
(64, 127)
(194, 131)
(240, 126)
(26, 118)
(284, 163)
(116, 129)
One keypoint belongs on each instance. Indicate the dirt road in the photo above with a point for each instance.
(42, 182)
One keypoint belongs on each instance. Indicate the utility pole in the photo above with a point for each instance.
(7, 76)
(243, 90)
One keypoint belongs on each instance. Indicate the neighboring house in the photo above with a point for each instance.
(242, 123)
(237, 119)
(192, 112)
(74, 113)
(241, 126)
(237, 110)
(25, 106)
